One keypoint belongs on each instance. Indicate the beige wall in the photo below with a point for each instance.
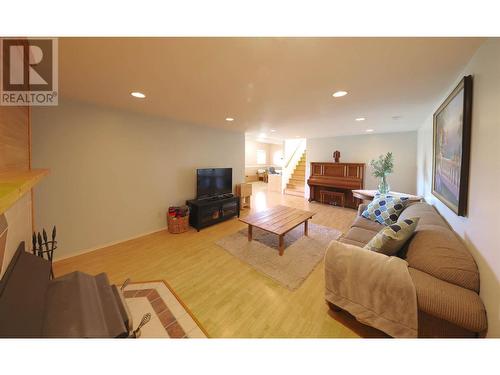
(251, 148)
(479, 229)
(276, 155)
(114, 173)
(363, 148)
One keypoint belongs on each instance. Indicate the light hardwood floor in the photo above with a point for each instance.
(228, 297)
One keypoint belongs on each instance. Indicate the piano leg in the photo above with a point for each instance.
(311, 193)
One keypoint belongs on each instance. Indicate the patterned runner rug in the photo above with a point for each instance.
(170, 318)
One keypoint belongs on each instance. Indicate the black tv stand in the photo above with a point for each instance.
(214, 198)
(212, 210)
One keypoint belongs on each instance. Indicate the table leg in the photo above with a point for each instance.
(250, 227)
(306, 228)
(281, 246)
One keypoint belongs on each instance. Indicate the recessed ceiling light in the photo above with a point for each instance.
(262, 135)
(137, 94)
(360, 119)
(273, 130)
(229, 119)
(297, 136)
(369, 130)
(338, 94)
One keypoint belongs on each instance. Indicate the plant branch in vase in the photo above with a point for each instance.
(381, 168)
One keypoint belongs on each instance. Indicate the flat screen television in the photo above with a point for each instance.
(211, 182)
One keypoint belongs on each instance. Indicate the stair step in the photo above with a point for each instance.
(295, 187)
(294, 192)
(296, 184)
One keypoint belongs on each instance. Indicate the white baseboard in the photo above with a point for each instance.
(100, 247)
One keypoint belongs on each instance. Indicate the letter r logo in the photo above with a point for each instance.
(27, 65)
(35, 56)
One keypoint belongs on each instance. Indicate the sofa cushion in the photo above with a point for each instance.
(385, 209)
(438, 251)
(426, 213)
(392, 238)
(351, 242)
(361, 222)
(360, 235)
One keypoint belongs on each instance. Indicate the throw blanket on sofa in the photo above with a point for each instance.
(375, 288)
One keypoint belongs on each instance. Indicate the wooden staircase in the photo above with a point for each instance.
(297, 182)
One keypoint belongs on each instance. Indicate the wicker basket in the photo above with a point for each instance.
(178, 224)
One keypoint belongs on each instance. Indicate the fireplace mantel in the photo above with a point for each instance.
(15, 183)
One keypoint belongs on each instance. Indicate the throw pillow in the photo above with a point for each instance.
(393, 237)
(385, 208)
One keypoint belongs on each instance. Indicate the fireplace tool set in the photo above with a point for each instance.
(45, 248)
(136, 333)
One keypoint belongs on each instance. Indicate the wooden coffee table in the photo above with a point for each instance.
(278, 220)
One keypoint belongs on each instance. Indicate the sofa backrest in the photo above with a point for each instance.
(437, 250)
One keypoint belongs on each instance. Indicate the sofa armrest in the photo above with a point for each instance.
(450, 302)
(361, 208)
(373, 287)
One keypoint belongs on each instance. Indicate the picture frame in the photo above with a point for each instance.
(451, 148)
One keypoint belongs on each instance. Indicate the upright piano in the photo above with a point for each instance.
(332, 183)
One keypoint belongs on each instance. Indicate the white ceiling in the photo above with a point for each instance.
(285, 84)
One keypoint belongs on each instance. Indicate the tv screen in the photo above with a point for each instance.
(213, 181)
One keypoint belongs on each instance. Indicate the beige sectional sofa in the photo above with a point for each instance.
(443, 271)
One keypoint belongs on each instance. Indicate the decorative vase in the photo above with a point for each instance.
(383, 186)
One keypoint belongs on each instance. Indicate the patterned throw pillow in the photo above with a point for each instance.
(392, 238)
(385, 208)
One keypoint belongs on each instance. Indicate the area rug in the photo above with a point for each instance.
(301, 255)
(170, 318)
